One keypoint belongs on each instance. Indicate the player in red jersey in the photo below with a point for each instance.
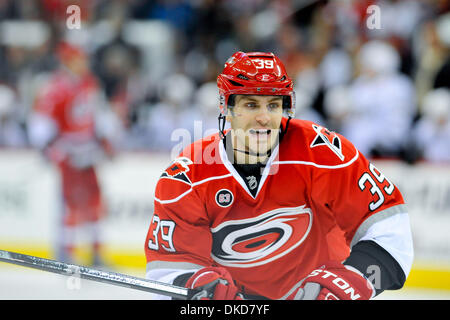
(64, 125)
(275, 207)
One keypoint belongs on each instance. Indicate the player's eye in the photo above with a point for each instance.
(251, 105)
(273, 106)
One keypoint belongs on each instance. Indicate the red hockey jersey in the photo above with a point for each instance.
(71, 103)
(315, 192)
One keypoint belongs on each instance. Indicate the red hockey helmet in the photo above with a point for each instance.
(255, 73)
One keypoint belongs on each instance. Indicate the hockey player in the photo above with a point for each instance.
(64, 126)
(275, 207)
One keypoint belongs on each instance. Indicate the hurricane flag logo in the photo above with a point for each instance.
(327, 138)
(178, 169)
(256, 241)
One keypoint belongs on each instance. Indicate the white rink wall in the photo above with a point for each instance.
(30, 202)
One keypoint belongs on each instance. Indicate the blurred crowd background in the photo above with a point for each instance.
(387, 89)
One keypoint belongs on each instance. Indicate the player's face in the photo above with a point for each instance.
(78, 65)
(255, 122)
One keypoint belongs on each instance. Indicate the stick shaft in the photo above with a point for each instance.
(113, 278)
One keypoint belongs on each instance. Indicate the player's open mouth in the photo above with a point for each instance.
(260, 132)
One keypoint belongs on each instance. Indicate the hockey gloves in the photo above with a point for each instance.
(334, 281)
(213, 283)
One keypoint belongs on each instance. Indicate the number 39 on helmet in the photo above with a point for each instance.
(255, 73)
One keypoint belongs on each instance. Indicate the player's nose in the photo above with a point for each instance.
(263, 117)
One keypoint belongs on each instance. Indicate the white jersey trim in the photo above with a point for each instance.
(167, 272)
(190, 189)
(174, 199)
(211, 178)
(391, 230)
(237, 176)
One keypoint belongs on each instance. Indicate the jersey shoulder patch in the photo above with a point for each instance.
(178, 170)
(175, 180)
(317, 145)
(329, 139)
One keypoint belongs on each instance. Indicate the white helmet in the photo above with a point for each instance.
(378, 57)
(7, 97)
(207, 98)
(177, 88)
(436, 104)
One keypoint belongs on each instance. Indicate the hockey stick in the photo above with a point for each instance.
(113, 278)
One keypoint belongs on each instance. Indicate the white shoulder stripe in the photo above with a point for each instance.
(211, 178)
(191, 188)
(174, 199)
(309, 163)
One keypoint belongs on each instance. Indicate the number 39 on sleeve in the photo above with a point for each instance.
(162, 234)
(379, 186)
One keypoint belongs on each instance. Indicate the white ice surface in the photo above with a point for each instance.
(20, 283)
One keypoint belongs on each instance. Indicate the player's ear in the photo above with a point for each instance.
(229, 115)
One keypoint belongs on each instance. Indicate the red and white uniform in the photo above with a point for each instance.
(318, 196)
(68, 105)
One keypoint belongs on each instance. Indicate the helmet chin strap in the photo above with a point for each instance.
(282, 132)
(258, 154)
(222, 122)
